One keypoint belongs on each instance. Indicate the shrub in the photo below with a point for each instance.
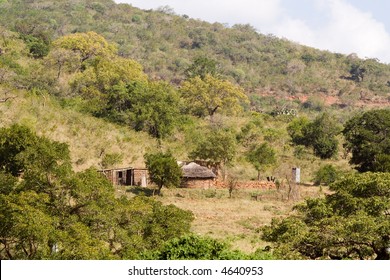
(326, 175)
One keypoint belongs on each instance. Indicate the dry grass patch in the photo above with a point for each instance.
(235, 219)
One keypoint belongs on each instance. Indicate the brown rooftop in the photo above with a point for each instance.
(193, 170)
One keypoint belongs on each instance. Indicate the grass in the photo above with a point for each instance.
(89, 138)
(237, 219)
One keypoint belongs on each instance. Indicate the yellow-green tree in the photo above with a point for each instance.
(204, 97)
(88, 45)
(104, 73)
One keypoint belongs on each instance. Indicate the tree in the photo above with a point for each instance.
(351, 223)
(261, 157)
(204, 97)
(193, 247)
(296, 130)
(14, 140)
(219, 147)
(149, 106)
(367, 138)
(201, 67)
(163, 170)
(87, 45)
(51, 212)
(326, 174)
(320, 134)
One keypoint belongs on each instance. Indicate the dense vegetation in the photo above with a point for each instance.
(157, 82)
(166, 44)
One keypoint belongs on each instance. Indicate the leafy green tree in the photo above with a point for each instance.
(351, 223)
(103, 73)
(50, 212)
(320, 134)
(201, 67)
(152, 107)
(14, 140)
(367, 138)
(37, 46)
(193, 247)
(326, 175)
(357, 72)
(87, 45)
(163, 170)
(219, 147)
(296, 130)
(261, 157)
(208, 95)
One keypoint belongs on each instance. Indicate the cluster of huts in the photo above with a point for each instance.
(194, 175)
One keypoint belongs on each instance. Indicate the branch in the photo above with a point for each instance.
(7, 98)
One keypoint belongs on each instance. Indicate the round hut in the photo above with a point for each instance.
(196, 176)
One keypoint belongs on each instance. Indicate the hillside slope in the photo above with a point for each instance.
(166, 44)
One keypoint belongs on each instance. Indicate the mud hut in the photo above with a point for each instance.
(196, 176)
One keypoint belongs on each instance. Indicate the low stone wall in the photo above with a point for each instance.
(263, 185)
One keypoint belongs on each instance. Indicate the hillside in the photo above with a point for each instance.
(166, 44)
(91, 84)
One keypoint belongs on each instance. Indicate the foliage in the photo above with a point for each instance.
(163, 170)
(320, 134)
(87, 45)
(219, 147)
(37, 46)
(367, 138)
(351, 223)
(193, 247)
(152, 107)
(166, 43)
(261, 157)
(50, 212)
(13, 141)
(205, 96)
(201, 67)
(326, 175)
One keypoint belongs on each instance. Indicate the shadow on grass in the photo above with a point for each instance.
(142, 191)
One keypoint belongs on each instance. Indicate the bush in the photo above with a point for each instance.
(193, 247)
(326, 175)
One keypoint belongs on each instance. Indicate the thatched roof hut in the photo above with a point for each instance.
(193, 170)
(195, 175)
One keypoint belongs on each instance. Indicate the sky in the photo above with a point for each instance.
(343, 26)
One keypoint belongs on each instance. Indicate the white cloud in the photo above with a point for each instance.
(223, 11)
(352, 30)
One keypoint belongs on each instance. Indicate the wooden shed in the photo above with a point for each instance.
(196, 176)
(128, 176)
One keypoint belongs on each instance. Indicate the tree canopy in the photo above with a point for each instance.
(163, 170)
(51, 212)
(320, 134)
(351, 223)
(208, 95)
(261, 157)
(367, 138)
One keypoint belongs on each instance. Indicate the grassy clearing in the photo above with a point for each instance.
(237, 219)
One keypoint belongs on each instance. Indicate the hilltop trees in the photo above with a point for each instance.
(368, 139)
